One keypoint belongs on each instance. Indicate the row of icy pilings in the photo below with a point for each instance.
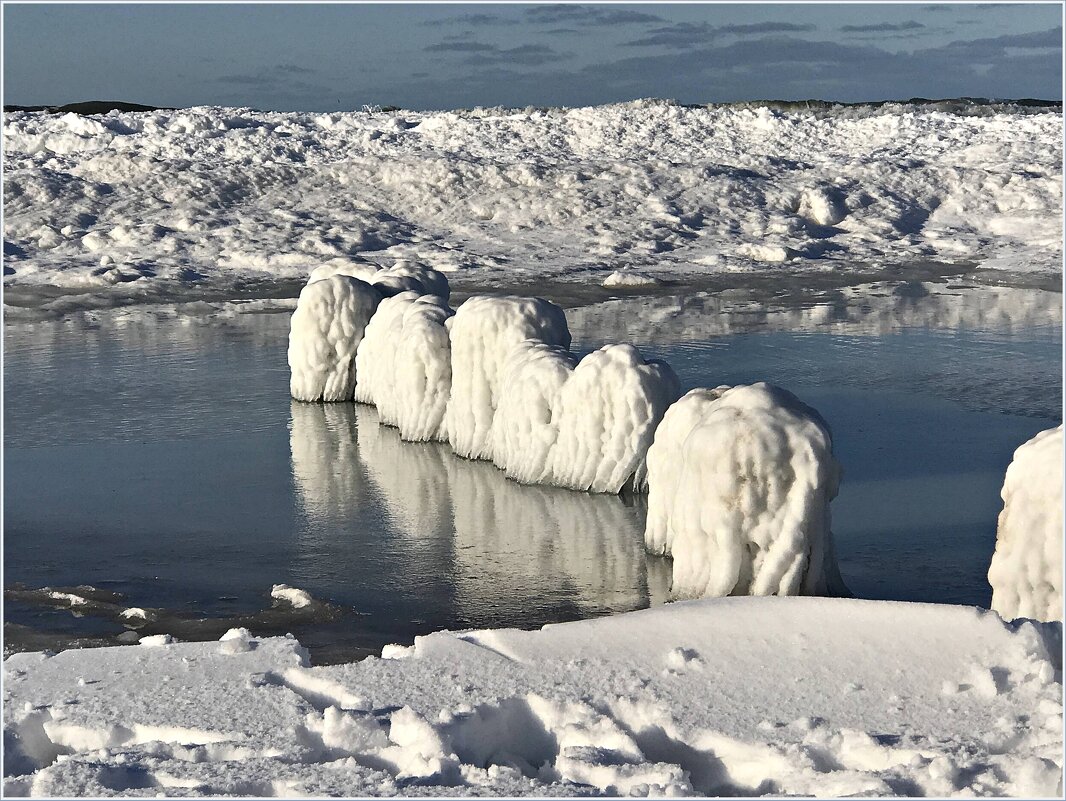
(739, 479)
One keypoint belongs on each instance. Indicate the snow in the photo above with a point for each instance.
(483, 333)
(605, 417)
(1026, 570)
(294, 597)
(326, 329)
(129, 207)
(737, 696)
(740, 482)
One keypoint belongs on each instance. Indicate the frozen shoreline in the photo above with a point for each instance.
(174, 205)
(729, 696)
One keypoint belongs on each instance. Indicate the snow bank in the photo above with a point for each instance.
(325, 332)
(740, 483)
(484, 331)
(605, 418)
(831, 697)
(1026, 570)
(176, 201)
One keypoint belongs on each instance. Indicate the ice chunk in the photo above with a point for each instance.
(484, 331)
(664, 464)
(1026, 570)
(293, 596)
(522, 431)
(325, 332)
(629, 278)
(744, 508)
(605, 417)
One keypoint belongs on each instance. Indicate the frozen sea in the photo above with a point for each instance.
(154, 454)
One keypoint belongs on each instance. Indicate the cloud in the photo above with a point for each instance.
(475, 20)
(461, 47)
(688, 34)
(293, 69)
(909, 25)
(764, 27)
(530, 55)
(270, 77)
(587, 15)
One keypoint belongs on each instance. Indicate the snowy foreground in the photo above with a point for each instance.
(730, 696)
(120, 208)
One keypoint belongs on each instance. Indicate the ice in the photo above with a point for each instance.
(605, 417)
(228, 199)
(404, 364)
(483, 333)
(1026, 570)
(294, 597)
(740, 483)
(721, 697)
(524, 428)
(403, 276)
(325, 332)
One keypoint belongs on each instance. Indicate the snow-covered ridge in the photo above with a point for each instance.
(739, 696)
(215, 197)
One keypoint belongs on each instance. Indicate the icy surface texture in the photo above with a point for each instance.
(811, 697)
(484, 331)
(605, 417)
(1026, 570)
(325, 332)
(404, 276)
(523, 431)
(743, 505)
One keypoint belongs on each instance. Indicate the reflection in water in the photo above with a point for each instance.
(513, 554)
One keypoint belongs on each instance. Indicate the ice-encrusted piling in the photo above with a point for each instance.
(423, 372)
(404, 276)
(665, 464)
(404, 364)
(326, 329)
(484, 332)
(522, 431)
(605, 417)
(743, 502)
(1026, 569)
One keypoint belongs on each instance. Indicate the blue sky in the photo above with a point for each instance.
(437, 55)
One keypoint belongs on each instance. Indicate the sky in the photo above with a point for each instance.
(307, 57)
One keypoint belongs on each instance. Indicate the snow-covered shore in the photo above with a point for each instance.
(729, 696)
(208, 201)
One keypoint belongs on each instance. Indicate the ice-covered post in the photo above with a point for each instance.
(740, 482)
(1026, 569)
(483, 332)
(325, 331)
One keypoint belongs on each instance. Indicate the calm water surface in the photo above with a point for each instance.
(157, 456)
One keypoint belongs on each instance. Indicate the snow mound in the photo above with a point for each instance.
(743, 505)
(605, 417)
(629, 278)
(484, 331)
(666, 466)
(1026, 570)
(523, 431)
(325, 332)
(812, 697)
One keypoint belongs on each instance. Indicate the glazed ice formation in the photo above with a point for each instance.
(740, 486)
(327, 327)
(1026, 570)
(484, 331)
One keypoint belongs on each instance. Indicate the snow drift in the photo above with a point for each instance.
(326, 329)
(723, 697)
(483, 334)
(740, 484)
(1026, 570)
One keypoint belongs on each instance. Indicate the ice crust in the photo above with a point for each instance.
(1026, 569)
(740, 483)
(128, 207)
(327, 327)
(483, 333)
(812, 697)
